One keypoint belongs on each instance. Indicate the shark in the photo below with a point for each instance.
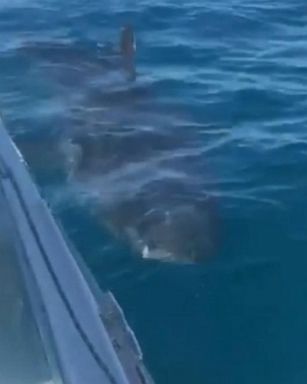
(76, 63)
(127, 163)
(158, 211)
(163, 227)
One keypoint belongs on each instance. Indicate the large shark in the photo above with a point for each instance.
(159, 211)
(127, 157)
(82, 76)
(160, 226)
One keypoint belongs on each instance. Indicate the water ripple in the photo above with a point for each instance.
(213, 131)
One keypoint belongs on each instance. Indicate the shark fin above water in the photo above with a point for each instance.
(127, 47)
(127, 41)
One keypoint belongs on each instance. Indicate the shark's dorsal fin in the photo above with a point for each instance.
(127, 42)
(127, 49)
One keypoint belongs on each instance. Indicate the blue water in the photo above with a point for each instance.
(217, 113)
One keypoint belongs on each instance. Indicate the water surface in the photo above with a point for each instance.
(217, 115)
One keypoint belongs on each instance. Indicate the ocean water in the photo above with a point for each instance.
(214, 127)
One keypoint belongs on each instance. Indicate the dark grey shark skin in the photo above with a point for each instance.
(76, 61)
(159, 211)
(143, 195)
(128, 49)
(165, 225)
(168, 219)
(164, 218)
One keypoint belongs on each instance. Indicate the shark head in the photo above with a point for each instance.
(182, 233)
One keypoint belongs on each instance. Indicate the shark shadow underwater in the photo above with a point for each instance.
(142, 200)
